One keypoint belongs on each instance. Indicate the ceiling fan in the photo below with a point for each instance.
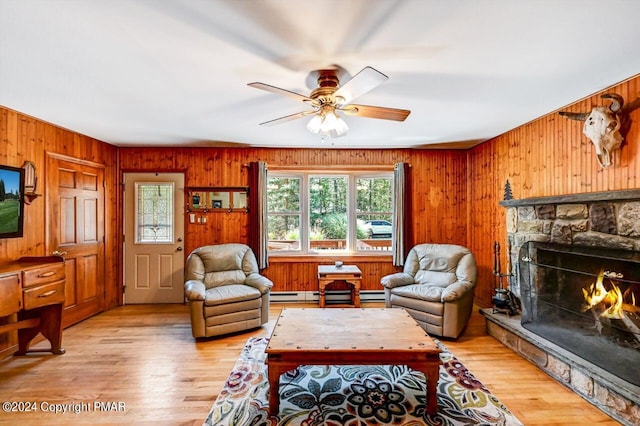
(330, 97)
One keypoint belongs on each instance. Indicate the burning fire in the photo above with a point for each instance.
(612, 300)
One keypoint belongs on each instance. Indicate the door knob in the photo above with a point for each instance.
(59, 253)
(179, 249)
(179, 239)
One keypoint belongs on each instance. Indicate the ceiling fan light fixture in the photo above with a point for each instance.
(315, 124)
(328, 123)
(339, 127)
(330, 96)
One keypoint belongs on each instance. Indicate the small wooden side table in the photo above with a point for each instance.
(350, 274)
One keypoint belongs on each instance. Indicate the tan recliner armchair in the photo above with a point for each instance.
(225, 290)
(436, 287)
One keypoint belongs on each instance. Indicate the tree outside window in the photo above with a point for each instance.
(284, 213)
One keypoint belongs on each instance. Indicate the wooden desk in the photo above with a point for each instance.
(312, 336)
(350, 274)
(31, 300)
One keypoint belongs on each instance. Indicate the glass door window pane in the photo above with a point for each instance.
(154, 212)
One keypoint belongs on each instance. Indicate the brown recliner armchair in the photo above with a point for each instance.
(225, 290)
(436, 287)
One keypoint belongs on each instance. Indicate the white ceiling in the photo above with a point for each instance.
(175, 72)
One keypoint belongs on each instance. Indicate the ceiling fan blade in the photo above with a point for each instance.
(367, 79)
(376, 112)
(287, 118)
(279, 91)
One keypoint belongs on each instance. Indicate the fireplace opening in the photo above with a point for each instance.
(586, 301)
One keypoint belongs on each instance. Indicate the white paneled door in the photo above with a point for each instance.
(154, 238)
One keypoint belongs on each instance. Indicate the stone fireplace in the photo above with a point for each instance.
(576, 272)
(585, 301)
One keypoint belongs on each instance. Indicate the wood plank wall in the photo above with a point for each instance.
(25, 138)
(439, 203)
(546, 157)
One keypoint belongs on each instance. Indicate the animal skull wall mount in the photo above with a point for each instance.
(605, 127)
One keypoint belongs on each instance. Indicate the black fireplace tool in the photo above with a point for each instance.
(504, 301)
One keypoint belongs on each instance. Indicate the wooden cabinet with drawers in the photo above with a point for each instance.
(32, 299)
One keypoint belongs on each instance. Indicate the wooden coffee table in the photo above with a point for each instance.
(314, 336)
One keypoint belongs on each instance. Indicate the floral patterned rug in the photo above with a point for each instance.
(353, 395)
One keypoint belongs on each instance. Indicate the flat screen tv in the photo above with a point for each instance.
(11, 201)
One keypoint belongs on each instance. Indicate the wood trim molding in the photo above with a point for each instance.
(330, 259)
(76, 160)
(334, 168)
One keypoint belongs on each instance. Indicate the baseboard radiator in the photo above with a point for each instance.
(337, 296)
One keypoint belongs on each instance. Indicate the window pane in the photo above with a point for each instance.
(374, 213)
(374, 194)
(284, 232)
(283, 194)
(154, 212)
(328, 220)
(283, 207)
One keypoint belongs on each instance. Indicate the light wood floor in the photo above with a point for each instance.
(143, 357)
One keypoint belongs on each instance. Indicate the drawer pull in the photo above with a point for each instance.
(48, 293)
(46, 274)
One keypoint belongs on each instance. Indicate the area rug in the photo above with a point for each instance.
(353, 395)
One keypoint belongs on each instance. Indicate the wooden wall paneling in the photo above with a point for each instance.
(546, 157)
(572, 132)
(481, 232)
(28, 149)
(632, 144)
(220, 227)
(621, 157)
(5, 132)
(439, 203)
(114, 228)
(27, 138)
(631, 147)
(439, 185)
(204, 169)
(293, 275)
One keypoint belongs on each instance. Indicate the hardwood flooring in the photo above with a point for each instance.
(138, 364)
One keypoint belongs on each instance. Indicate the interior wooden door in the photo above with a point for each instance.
(75, 228)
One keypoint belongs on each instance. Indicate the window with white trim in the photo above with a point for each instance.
(323, 212)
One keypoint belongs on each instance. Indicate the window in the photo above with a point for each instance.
(284, 212)
(313, 212)
(154, 213)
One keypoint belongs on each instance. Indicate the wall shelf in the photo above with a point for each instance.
(217, 199)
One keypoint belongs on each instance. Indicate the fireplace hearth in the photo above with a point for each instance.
(557, 284)
(575, 262)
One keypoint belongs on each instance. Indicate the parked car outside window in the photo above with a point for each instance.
(378, 228)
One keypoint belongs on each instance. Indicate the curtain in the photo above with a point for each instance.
(402, 235)
(258, 238)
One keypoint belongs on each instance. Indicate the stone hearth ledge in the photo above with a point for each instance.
(587, 197)
(613, 396)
